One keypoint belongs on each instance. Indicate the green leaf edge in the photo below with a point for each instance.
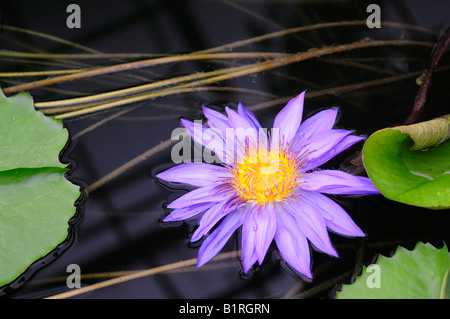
(57, 165)
(24, 101)
(399, 250)
(415, 135)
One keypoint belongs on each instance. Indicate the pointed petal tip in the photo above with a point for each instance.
(170, 206)
(303, 271)
(242, 108)
(247, 264)
(349, 233)
(200, 262)
(333, 253)
(260, 260)
(357, 232)
(195, 237)
(187, 124)
(229, 111)
(205, 110)
(354, 231)
(288, 120)
(166, 175)
(299, 99)
(246, 271)
(203, 258)
(307, 274)
(334, 111)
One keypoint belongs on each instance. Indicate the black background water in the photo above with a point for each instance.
(119, 226)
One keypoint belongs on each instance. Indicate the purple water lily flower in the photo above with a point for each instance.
(269, 187)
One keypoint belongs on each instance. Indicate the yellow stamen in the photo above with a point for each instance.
(266, 176)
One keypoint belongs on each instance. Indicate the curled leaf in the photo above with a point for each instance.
(429, 133)
(411, 164)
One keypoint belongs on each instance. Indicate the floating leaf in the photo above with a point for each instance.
(411, 164)
(418, 274)
(36, 201)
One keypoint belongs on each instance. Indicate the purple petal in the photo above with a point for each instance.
(206, 137)
(248, 115)
(238, 121)
(289, 118)
(216, 120)
(312, 225)
(219, 237)
(319, 122)
(321, 144)
(341, 146)
(205, 194)
(264, 227)
(366, 188)
(195, 174)
(338, 182)
(243, 129)
(187, 212)
(328, 180)
(336, 217)
(251, 118)
(249, 256)
(243, 137)
(209, 219)
(292, 244)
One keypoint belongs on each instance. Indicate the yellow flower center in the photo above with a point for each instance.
(265, 177)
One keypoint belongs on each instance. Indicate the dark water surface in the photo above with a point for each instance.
(119, 226)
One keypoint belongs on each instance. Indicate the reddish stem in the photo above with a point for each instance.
(421, 97)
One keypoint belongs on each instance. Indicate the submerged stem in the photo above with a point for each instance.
(137, 275)
(250, 69)
(130, 164)
(196, 56)
(135, 65)
(281, 33)
(139, 88)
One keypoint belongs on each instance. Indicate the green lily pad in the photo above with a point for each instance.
(411, 164)
(418, 274)
(36, 200)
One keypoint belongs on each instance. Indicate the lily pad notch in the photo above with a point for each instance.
(37, 202)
